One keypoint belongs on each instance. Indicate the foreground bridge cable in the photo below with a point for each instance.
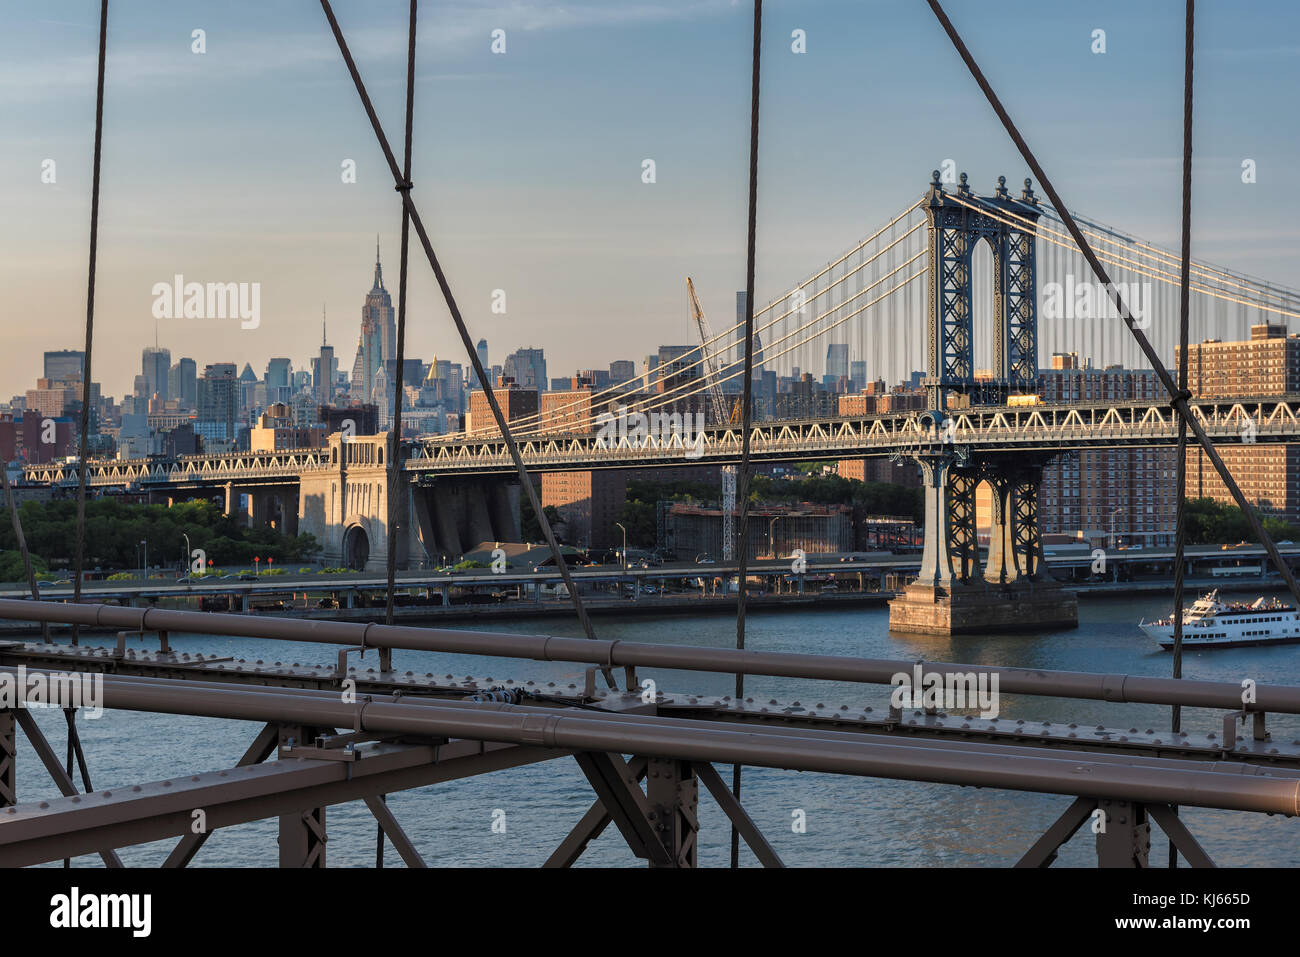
(1179, 397)
(397, 501)
(1184, 308)
(82, 448)
(470, 351)
(747, 391)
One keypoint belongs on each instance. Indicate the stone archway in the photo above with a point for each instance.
(356, 548)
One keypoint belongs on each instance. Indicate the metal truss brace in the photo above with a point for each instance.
(262, 747)
(1043, 853)
(590, 827)
(48, 758)
(740, 818)
(1176, 831)
(617, 787)
(379, 808)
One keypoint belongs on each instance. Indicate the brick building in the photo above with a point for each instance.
(1267, 364)
(1125, 493)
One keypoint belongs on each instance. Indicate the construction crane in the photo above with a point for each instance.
(713, 377)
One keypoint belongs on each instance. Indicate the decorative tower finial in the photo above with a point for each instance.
(962, 187)
(1001, 191)
(1028, 195)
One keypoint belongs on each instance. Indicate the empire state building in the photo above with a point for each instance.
(378, 341)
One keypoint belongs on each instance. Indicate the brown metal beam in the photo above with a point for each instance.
(739, 817)
(1043, 853)
(48, 758)
(618, 790)
(162, 809)
(263, 747)
(1177, 832)
(1282, 699)
(1141, 779)
(405, 849)
(589, 827)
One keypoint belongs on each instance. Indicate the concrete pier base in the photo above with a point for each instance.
(983, 608)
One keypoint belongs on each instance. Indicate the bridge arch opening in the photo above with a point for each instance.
(983, 307)
(356, 548)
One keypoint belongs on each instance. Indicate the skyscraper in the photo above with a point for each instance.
(218, 403)
(64, 365)
(278, 384)
(837, 360)
(482, 350)
(528, 368)
(378, 335)
(155, 363)
(324, 368)
(182, 383)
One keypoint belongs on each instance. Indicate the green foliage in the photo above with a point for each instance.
(529, 527)
(120, 576)
(12, 570)
(1212, 523)
(334, 570)
(469, 563)
(114, 530)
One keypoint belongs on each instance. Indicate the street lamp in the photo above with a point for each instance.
(1113, 513)
(624, 556)
(144, 557)
(771, 546)
(185, 565)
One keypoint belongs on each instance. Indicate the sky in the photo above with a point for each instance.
(227, 165)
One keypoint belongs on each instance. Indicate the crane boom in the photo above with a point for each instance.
(713, 379)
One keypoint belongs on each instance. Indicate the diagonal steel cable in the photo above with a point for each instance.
(1184, 306)
(1178, 397)
(747, 409)
(459, 321)
(82, 444)
(21, 541)
(395, 491)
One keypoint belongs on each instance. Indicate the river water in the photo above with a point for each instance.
(848, 821)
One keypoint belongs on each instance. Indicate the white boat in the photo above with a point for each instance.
(1211, 623)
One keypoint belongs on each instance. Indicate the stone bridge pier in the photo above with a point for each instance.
(344, 504)
(1013, 590)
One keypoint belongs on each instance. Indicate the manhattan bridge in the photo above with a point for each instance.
(954, 283)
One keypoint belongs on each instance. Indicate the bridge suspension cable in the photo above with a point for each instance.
(1147, 270)
(524, 423)
(694, 387)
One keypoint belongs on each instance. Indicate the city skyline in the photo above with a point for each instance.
(586, 253)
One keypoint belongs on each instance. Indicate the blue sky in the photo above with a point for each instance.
(226, 166)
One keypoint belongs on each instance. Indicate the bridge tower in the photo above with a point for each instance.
(1013, 590)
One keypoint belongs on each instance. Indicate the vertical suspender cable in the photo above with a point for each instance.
(1180, 523)
(82, 444)
(746, 415)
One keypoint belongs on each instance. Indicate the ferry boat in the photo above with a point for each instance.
(1212, 623)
